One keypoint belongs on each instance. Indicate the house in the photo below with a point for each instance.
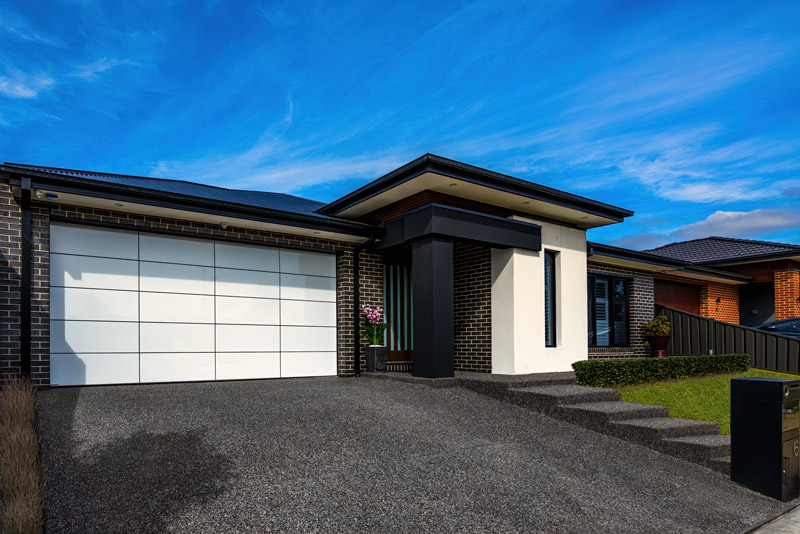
(771, 294)
(111, 278)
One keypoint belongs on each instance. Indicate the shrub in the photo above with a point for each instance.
(623, 371)
(657, 326)
(21, 488)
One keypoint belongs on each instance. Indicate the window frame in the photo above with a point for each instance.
(551, 302)
(610, 278)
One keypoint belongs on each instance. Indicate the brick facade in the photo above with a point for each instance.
(41, 215)
(472, 307)
(370, 291)
(787, 293)
(727, 309)
(641, 302)
(10, 249)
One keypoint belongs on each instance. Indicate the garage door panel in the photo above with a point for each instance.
(90, 272)
(175, 337)
(251, 257)
(130, 307)
(308, 338)
(176, 250)
(241, 310)
(89, 241)
(176, 308)
(175, 278)
(308, 313)
(177, 367)
(84, 369)
(299, 287)
(238, 283)
(247, 338)
(241, 365)
(93, 304)
(310, 263)
(75, 337)
(296, 364)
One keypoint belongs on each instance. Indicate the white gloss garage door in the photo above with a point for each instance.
(129, 307)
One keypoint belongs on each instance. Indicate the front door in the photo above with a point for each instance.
(397, 308)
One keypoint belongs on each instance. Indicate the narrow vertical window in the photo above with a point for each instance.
(550, 298)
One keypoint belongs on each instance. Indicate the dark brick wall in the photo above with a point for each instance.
(370, 294)
(641, 303)
(472, 302)
(41, 214)
(10, 250)
(370, 289)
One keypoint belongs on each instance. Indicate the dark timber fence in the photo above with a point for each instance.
(692, 335)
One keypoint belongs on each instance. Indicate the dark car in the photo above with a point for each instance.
(787, 327)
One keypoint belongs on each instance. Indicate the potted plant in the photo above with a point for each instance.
(372, 328)
(656, 331)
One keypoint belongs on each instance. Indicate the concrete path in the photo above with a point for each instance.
(358, 455)
(788, 523)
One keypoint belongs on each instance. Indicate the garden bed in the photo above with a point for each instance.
(21, 490)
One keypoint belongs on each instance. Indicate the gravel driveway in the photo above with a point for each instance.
(357, 455)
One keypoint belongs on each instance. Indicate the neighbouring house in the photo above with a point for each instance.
(772, 293)
(110, 278)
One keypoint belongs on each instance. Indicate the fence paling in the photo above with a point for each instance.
(693, 334)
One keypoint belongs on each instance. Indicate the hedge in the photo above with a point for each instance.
(622, 371)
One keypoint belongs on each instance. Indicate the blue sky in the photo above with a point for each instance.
(687, 113)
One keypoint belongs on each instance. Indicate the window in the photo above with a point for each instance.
(608, 311)
(550, 298)
(788, 327)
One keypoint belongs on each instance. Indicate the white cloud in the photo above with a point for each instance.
(16, 25)
(641, 241)
(20, 85)
(756, 223)
(90, 71)
(269, 167)
(742, 223)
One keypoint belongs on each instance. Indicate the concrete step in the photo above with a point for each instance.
(698, 449)
(548, 398)
(497, 386)
(721, 464)
(598, 415)
(651, 431)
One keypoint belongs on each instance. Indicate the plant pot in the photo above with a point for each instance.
(658, 345)
(376, 358)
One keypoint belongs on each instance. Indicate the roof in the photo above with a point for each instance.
(484, 177)
(669, 265)
(261, 199)
(717, 249)
(274, 208)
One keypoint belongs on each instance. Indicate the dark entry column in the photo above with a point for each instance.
(432, 275)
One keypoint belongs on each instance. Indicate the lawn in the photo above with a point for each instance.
(706, 398)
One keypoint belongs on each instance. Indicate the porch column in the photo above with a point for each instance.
(432, 275)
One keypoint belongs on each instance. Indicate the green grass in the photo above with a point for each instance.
(707, 398)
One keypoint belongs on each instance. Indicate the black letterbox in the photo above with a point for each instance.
(765, 429)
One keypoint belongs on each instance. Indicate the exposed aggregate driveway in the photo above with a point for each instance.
(357, 455)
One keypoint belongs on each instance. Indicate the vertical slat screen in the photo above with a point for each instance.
(694, 335)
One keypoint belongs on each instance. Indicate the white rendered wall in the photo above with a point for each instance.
(518, 341)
